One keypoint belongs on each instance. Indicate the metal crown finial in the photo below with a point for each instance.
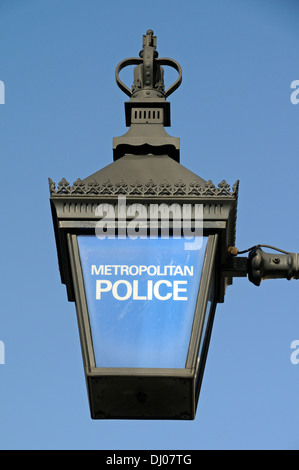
(147, 111)
(149, 73)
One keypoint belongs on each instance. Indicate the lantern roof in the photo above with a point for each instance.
(144, 169)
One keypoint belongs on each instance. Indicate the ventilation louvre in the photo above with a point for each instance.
(147, 116)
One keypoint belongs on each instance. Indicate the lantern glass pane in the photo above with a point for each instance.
(141, 296)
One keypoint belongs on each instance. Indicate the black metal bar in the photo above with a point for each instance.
(262, 265)
(235, 267)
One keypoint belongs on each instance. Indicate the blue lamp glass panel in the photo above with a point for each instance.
(141, 296)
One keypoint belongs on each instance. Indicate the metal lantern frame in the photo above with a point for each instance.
(146, 169)
(145, 393)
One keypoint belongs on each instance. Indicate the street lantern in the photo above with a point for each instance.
(143, 249)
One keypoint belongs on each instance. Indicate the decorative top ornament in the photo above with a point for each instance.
(149, 73)
(93, 188)
(147, 112)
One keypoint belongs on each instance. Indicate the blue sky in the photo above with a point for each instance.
(235, 119)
